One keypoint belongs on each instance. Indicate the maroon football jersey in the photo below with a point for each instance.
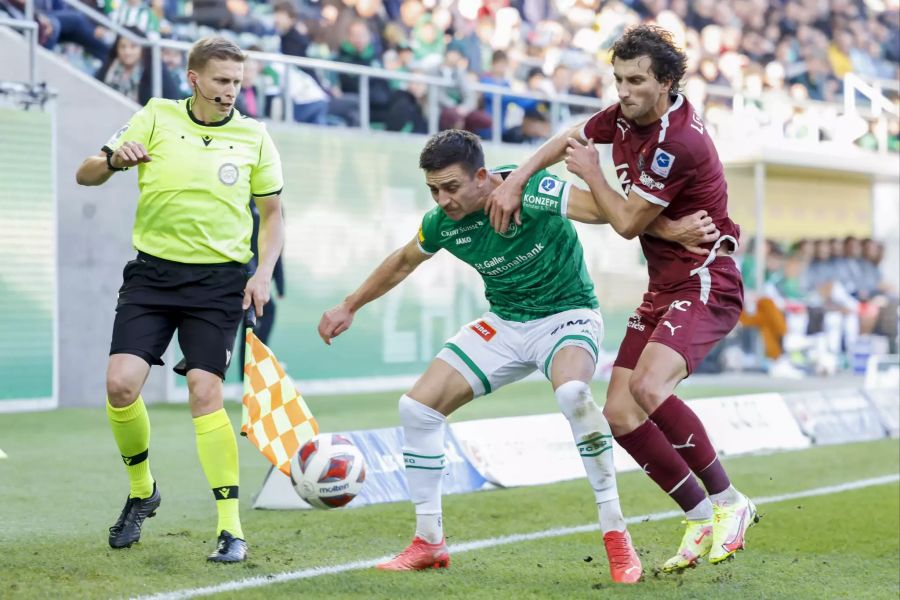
(672, 163)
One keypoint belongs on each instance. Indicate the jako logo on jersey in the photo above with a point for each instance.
(681, 305)
(484, 330)
(662, 162)
(650, 183)
(465, 240)
(550, 186)
(634, 322)
(569, 324)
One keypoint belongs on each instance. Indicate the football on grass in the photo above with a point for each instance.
(328, 471)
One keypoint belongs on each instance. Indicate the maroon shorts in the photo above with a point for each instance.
(690, 317)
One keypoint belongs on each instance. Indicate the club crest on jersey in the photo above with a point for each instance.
(228, 174)
(550, 186)
(662, 162)
(484, 330)
(511, 231)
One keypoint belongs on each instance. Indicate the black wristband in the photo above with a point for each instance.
(110, 166)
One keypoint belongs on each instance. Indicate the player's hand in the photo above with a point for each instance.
(129, 154)
(582, 160)
(694, 230)
(334, 322)
(504, 204)
(256, 292)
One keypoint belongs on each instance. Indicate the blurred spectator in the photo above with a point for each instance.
(535, 129)
(359, 49)
(227, 14)
(774, 56)
(251, 100)
(459, 101)
(294, 34)
(58, 23)
(405, 109)
(174, 62)
(427, 43)
(764, 309)
(127, 70)
(133, 13)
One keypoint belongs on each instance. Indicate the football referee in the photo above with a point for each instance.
(199, 161)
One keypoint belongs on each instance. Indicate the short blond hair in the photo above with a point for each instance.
(210, 48)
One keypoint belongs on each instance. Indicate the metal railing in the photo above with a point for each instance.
(852, 85)
(31, 30)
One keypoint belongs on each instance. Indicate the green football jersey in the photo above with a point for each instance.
(535, 269)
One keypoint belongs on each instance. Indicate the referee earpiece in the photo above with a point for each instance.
(217, 99)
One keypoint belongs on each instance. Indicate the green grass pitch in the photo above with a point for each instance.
(63, 485)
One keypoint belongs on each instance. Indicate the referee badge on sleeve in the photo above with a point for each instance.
(228, 174)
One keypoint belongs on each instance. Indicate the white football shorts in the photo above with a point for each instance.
(492, 352)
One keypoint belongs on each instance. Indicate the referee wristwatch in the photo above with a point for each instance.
(110, 166)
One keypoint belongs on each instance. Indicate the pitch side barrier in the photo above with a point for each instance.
(538, 449)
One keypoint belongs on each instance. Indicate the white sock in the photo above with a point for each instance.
(430, 528)
(423, 456)
(594, 442)
(701, 512)
(611, 518)
(726, 497)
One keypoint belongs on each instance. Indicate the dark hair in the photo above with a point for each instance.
(287, 7)
(667, 62)
(452, 147)
(145, 85)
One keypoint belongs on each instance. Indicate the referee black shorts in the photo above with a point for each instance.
(203, 302)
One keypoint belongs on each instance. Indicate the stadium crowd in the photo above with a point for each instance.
(824, 306)
(774, 54)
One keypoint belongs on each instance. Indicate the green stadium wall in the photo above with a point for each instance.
(27, 258)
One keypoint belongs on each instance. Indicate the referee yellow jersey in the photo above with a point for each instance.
(195, 192)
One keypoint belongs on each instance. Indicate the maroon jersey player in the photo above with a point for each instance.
(668, 165)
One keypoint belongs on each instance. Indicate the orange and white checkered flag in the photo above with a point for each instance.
(276, 418)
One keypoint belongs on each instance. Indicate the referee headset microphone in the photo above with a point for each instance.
(217, 99)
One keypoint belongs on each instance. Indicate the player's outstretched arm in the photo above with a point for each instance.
(271, 241)
(629, 218)
(505, 203)
(583, 208)
(394, 269)
(690, 231)
(95, 170)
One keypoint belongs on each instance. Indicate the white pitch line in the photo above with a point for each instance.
(263, 580)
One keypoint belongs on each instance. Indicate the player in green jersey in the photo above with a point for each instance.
(199, 162)
(543, 315)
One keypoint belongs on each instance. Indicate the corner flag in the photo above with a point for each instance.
(276, 419)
